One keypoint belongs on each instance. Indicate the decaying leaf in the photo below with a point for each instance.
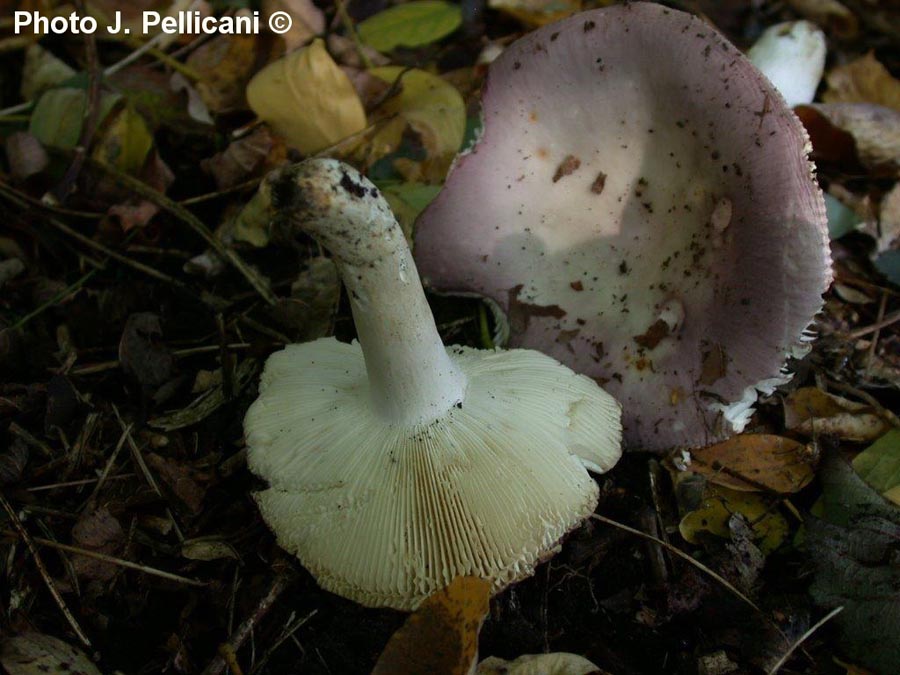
(853, 548)
(556, 663)
(245, 157)
(412, 24)
(225, 64)
(181, 480)
(100, 531)
(754, 462)
(829, 14)
(864, 80)
(810, 411)
(25, 154)
(433, 108)
(207, 548)
(308, 99)
(58, 116)
(125, 141)
(38, 654)
(441, 636)
(142, 353)
(534, 13)
(309, 313)
(307, 20)
(717, 507)
(879, 465)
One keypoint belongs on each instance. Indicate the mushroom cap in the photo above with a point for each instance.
(386, 514)
(641, 206)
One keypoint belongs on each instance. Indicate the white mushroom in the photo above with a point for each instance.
(792, 56)
(396, 464)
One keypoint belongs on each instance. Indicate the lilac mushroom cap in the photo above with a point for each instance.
(641, 206)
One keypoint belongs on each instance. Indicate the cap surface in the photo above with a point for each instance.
(641, 206)
(386, 514)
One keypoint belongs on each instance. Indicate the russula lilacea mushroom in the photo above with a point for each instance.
(641, 206)
(792, 56)
(397, 464)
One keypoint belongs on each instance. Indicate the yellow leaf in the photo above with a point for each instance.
(441, 636)
(433, 108)
(125, 142)
(308, 99)
(811, 411)
(864, 80)
(536, 13)
(719, 504)
(224, 65)
(753, 462)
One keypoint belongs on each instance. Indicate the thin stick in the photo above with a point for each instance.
(29, 542)
(107, 468)
(281, 582)
(681, 554)
(883, 412)
(888, 320)
(77, 483)
(118, 561)
(833, 613)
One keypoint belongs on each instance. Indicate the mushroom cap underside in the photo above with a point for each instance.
(641, 206)
(387, 514)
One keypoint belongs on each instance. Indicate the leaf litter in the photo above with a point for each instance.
(129, 529)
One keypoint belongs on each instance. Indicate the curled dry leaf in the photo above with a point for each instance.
(851, 132)
(38, 654)
(754, 462)
(245, 157)
(811, 412)
(308, 99)
(433, 108)
(441, 636)
(864, 80)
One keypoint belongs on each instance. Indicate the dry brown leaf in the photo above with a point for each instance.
(97, 531)
(873, 130)
(811, 412)
(180, 479)
(864, 80)
(225, 64)
(441, 636)
(888, 232)
(38, 654)
(251, 155)
(753, 462)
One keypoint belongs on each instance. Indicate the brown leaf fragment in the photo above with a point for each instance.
(755, 462)
(864, 80)
(142, 353)
(567, 167)
(97, 531)
(714, 364)
(180, 479)
(225, 64)
(441, 636)
(244, 158)
(32, 653)
(811, 412)
(653, 335)
(520, 313)
(862, 133)
(830, 14)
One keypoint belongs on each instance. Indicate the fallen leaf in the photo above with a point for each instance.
(407, 201)
(862, 133)
(58, 116)
(717, 507)
(208, 549)
(224, 64)
(864, 80)
(853, 551)
(309, 313)
(879, 465)
(887, 232)
(124, 142)
(441, 636)
(412, 24)
(432, 107)
(534, 13)
(830, 14)
(244, 158)
(38, 654)
(142, 353)
(556, 663)
(13, 461)
(42, 71)
(811, 412)
(308, 99)
(754, 462)
(26, 155)
(99, 531)
(307, 20)
(181, 480)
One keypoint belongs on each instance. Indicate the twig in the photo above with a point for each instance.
(282, 581)
(833, 613)
(121, 562)
(107, 468)
(883, 412)
(681, 554)
(888, 320)
(29, 542)
(76, 483)
(288, 634)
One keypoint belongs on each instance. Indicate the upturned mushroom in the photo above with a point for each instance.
(396, 464)
(641, 207)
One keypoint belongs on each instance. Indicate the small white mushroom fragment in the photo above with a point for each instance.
(792, 56)
(555, 663)
(395, 464)
(641, 206)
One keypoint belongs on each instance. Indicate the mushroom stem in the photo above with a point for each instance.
(412, 379)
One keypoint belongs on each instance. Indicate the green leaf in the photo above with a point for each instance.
(59, 115)
(879, 464)
(413, 24)
(125, 142)
(407, 201)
